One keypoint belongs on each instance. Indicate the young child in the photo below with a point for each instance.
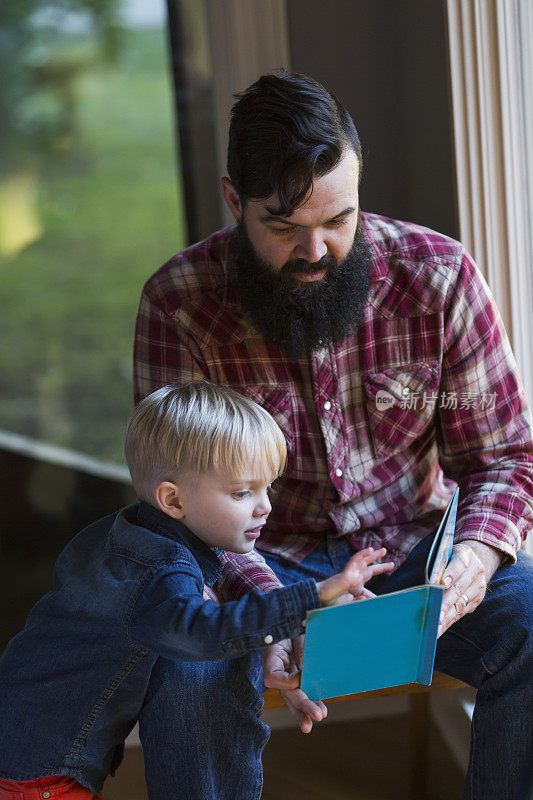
(129, 589)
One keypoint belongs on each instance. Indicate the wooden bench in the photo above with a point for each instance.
(418, 720)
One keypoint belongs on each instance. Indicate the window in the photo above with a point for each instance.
(90, 206)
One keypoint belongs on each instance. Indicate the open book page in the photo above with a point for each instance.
(441, 549)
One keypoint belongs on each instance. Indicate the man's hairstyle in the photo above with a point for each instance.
(190, 429)
(286, 130)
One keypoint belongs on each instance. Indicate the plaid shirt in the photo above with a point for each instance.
(381, 428)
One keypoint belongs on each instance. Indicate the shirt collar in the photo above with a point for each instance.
(158, 522)
(378, 270)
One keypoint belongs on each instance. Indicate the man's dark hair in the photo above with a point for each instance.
(286, 130)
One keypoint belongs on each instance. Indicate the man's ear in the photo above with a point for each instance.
(231, 198)
(167, 497)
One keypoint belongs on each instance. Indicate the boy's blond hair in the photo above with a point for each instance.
(190, 429)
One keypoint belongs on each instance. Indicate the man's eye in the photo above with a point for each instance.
(336, 223)
(282, 231)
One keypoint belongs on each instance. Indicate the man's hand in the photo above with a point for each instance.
(470, 568)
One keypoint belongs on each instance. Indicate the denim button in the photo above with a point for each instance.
(268, 639)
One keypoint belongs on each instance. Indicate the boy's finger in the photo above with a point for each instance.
(364, 557)
(361, 554)
(377, 569)
(365, 594)
(375, 555)
(304, 710)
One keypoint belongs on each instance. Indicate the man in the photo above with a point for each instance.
(377, 348)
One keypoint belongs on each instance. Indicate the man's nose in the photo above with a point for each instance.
(311, 246)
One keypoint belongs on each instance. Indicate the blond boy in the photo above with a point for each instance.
(129, 591)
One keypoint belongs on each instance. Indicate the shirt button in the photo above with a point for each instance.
(405, 391)
(268, 639)
(327, 405)
(338, 473)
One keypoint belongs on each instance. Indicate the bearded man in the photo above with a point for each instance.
(317, 311)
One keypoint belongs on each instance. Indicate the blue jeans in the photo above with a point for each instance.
(200, 726)
(490, 649)
(200, 730)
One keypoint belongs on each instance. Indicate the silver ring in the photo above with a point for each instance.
(466, 598)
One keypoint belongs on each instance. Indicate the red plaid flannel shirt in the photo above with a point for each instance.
(380, 429)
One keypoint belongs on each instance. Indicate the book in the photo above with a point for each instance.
(383, 641)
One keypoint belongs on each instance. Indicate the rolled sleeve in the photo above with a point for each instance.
(485, 446)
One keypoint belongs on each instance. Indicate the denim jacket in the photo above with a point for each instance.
(127, 590)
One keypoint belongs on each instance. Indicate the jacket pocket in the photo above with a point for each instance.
(401, 404)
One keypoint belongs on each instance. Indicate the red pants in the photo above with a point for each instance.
(44, 788)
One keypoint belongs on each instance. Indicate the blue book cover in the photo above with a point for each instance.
(384, 641)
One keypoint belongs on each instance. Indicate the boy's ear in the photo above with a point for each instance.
(231, 198)
(167, 497)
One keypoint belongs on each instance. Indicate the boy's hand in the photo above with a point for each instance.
(281, 670)
(359, 569)
(280, 660)
(344, 599)
(304, 710)
(208, 594)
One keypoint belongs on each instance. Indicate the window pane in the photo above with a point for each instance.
(526, 57)
(90, 205)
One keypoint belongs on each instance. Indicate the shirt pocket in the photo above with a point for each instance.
(401, 403)
(277, 401)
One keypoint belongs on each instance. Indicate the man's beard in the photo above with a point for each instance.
(301, 317)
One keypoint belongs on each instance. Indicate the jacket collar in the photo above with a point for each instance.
(158, 522)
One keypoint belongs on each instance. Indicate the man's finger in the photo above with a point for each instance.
(459, 562)
(464, 596)
(456, 601)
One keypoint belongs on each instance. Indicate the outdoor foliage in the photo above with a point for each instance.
(90, 189)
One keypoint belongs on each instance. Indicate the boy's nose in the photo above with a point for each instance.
(263, 507)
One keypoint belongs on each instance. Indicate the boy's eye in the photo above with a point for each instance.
(241, 494)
